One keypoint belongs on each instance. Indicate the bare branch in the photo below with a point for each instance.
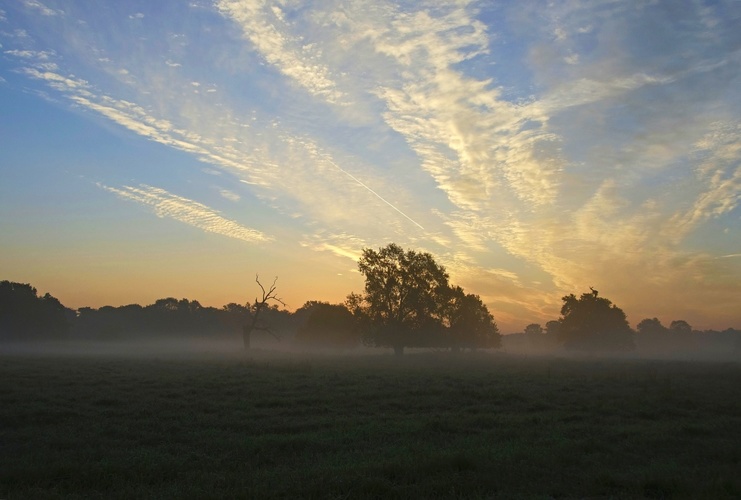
(270, 294)
(267, 295)
(257, 279)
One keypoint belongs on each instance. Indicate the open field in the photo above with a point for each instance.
(429, 426)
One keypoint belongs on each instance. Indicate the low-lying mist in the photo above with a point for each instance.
(210, 348)
(177, 348)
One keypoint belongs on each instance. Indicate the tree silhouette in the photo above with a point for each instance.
(552, 328)
(329, 325)
(254, 311)
(533, 329)
(593, 323)
(651, 326)
(25, 315)
(404, 298)
(680, 326)
(470, 323)
(408, 302)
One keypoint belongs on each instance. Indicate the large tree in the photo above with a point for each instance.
(593, 323)
(404, 298)
(470, 324)
(408, 302)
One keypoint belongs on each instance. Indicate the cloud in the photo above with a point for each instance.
(718, 173)
(343, 245)
(266, 28)
(314, 172)
(27, 54)
(41, 8)
(472, 142)
(165, 204)
(229, 195)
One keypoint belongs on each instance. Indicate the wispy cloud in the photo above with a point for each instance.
(256, 161)
(264, 25)
(165, 204)
(41, 8)
(342, 245)
(229, 195)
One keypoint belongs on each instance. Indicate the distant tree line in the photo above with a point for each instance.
(407, 302)
(24, 315)
(594, 324)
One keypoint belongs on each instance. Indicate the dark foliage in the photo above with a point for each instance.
(328, 326)
(408, 302)
(169, 317)
(470, 324)
(593, 323)
(24, 315)
(457, 321)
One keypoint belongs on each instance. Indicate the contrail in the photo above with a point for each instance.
(374, 193)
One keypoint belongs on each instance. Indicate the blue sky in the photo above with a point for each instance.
(154, 149)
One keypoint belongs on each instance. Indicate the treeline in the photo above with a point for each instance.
(26, 315)
(650, 338)
(407, 302)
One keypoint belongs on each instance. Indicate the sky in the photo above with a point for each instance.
(536, 149)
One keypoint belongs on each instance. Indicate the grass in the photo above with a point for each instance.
(427, 426)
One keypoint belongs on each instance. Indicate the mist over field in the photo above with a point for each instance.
(206, 348)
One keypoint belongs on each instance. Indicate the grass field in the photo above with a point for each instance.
(426, 426)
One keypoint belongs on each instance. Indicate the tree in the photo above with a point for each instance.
(404, 299)
(408, 302)
(651, 326)
(470, 323)
(254, 311)
(329, 325)
(552, 328)
(23, 314)
(680, 326)
(533, 329)
(593, 323)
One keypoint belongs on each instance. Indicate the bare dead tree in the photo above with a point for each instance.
(260, 304)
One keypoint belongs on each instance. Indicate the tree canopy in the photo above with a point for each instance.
(24, 315)
(651, 326)
(593, 323)
(470, 323)
(408, 302)
(328, 326)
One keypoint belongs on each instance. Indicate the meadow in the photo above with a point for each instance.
(430, 425)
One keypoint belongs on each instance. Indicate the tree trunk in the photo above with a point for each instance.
(246, 333)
